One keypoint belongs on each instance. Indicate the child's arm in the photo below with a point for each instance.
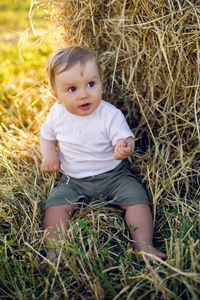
(124, 148)
(50, 157)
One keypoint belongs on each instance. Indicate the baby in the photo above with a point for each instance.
(89, 139)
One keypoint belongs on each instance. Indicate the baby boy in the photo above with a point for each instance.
(89, 139)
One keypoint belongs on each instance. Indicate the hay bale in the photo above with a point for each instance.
(149, 55)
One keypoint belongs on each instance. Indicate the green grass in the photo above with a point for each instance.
(13, 14)
(96, 258)
(23, 57)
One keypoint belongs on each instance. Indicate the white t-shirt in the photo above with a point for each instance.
(86, 142)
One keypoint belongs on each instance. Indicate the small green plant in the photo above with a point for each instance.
(133, 227)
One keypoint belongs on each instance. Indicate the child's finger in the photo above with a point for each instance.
(126, 149)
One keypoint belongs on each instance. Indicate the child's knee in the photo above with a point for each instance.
(61, 209)
(139, 206)
(127, 207)
(70, 208)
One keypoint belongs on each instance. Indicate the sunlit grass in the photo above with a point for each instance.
(23, 59)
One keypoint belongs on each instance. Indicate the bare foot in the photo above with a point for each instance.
(51, 254)
(51, 261)
(148, 252)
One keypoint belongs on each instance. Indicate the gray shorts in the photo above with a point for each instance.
(118, 187)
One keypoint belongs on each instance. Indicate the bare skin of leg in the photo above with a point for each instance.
(139, 221)
(56, 219)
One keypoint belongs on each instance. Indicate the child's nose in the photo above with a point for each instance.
(83, 94)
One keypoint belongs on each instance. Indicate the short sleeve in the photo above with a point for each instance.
(117, 127)
(47, 130)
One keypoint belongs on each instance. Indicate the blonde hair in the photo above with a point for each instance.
(68, 57)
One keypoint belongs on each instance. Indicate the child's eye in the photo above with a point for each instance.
(91, 83)
(72, 89)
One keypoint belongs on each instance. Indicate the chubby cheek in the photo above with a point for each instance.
(97, 102)
(99, 91)
(71, 107)
(66, 100)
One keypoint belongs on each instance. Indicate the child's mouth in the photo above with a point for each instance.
(85, 106)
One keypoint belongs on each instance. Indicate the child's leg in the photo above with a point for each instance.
(56, 219)
(139, 221)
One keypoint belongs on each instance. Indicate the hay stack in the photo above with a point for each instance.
(149, 55)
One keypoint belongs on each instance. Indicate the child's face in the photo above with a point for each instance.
(79, 89)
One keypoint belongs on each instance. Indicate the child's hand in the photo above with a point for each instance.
(51, 162)
(124, 148)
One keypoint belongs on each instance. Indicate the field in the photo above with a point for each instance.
(96, 259)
